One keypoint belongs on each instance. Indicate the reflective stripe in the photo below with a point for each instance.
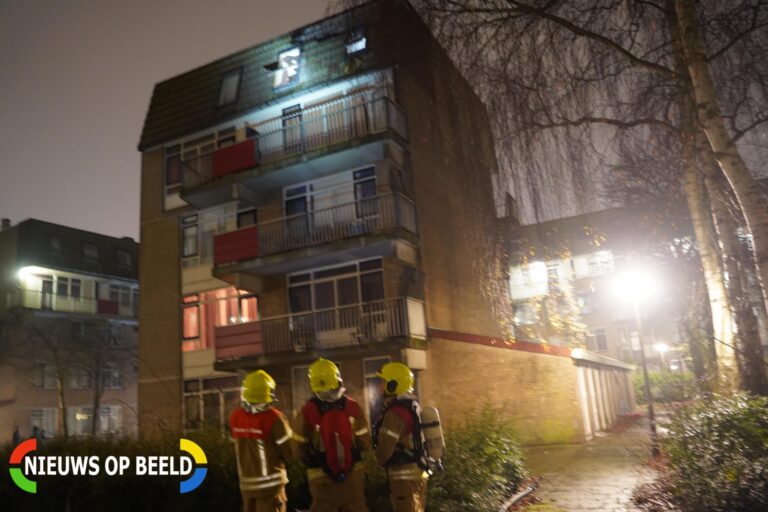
(255, 487)
(252, 479)
(299, 438)
(262, 456)
(391, 433)
(285, 438)
(414, 473)
(361, 431)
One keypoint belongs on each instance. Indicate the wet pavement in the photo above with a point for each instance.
(599, 475)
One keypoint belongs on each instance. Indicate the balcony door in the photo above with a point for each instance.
(292, 130)
(337, 303)
(46, 296)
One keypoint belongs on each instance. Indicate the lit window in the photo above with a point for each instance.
(191, 317)
(356, 42)
(287, 70)
(230, 84)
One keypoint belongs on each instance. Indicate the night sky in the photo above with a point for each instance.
(75, 83)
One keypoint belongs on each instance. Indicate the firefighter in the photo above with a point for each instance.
(332, 432)
(398, 440)
(261, 434)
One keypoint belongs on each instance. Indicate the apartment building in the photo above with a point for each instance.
(68, 337)
(567, 278)
(329, 193)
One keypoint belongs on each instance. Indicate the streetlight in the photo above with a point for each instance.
(638, 287)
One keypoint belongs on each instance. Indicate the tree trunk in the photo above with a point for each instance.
(744, 186)
(721, 314)
(97, 389)
(62, 429)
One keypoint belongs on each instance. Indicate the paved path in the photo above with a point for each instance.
(597, 476)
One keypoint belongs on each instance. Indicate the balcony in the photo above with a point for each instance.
(322, 330)
(36, 299)
(311, 237)
(314, 142)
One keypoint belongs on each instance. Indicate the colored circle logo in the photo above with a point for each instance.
(201, 466)
(24, 483)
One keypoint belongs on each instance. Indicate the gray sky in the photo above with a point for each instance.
(76, 80)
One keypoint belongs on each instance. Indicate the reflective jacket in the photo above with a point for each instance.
(262, 449)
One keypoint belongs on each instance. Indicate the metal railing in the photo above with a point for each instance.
(314, 128)
(344, 326)
(336, 327)
(367, 216)
(37, 299)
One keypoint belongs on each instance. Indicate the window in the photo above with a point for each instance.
(110, 419)
(597, 341)
(247, 218)
(80, 378)
(287, 68)
(584, 303)
(114, 293)
(54, 243)
(189, 236)
(44, 376)
(79, 420)
(110, 376)
(90, 252)
(365, 192)
(124, 258)
(191, 317)
(373, 397)
(230, 85)
(525, 314)
(75, 288)
(62, 286)
(44, 420)
(356, 42)
(336, 287)
(125, 296)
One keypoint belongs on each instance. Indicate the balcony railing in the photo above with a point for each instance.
(36, 299)
(320, 330)
(318, 127)
(364, 217)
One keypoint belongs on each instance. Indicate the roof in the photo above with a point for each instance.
(187, 103)
(34, 247)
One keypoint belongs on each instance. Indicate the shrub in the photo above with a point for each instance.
(665, 386)
(718, 455)
(483, 465)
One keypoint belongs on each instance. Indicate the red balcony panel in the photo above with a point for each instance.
(234, 158)
(238, 340)
(239, 245)
(107, 307)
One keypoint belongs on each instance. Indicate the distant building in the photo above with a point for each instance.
(329, 193)
(565, 272)
(68, 323)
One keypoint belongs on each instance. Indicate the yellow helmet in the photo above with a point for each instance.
(258, 388)
(324, 376)
(398, 378)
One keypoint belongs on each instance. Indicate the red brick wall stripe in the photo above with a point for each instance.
(525, 346)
